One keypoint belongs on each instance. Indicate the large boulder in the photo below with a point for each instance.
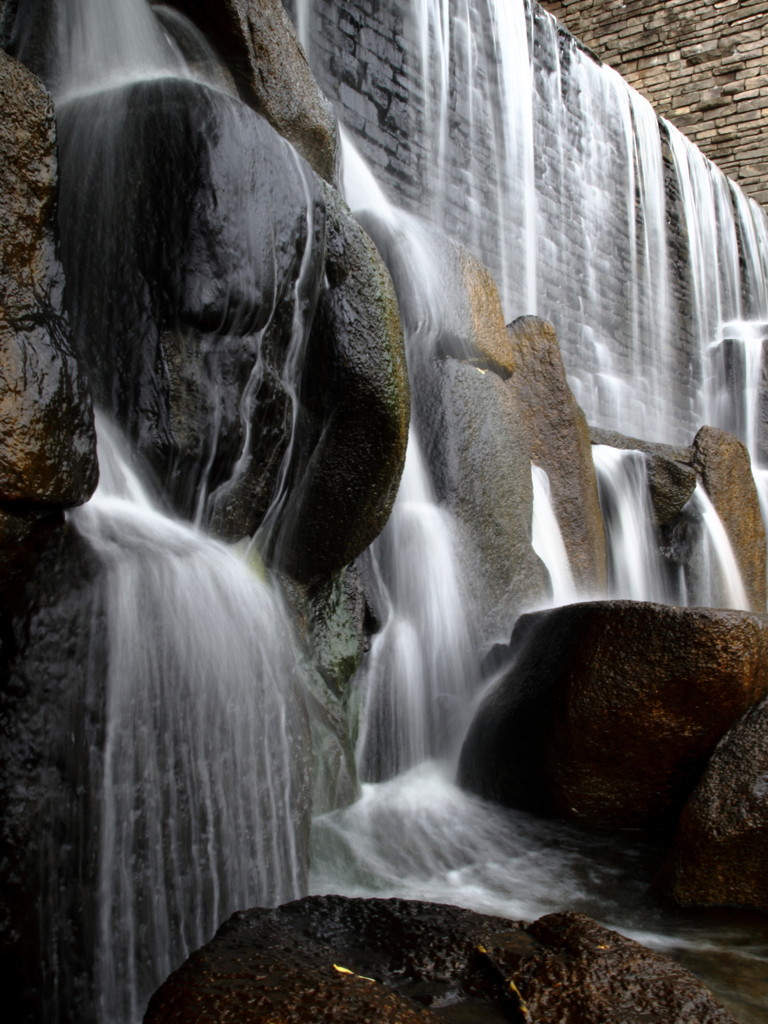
(255, 355)
(47, 440)
(719, 851)
(186, 223)
(611, 709)
(355, 410)
(723, 464)
(477, 450)
(258, 43)
(559, 441)
(361, 961)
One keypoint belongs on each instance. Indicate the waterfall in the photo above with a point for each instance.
(420, 671)
(547, 540)
(204, 778)
(513, 141)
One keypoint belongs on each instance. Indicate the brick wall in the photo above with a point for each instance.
(702, 63)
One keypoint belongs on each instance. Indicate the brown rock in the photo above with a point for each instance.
(719, 852)
(47, 441)
(258, 43)
(587, 974)
(560, 443)
(612, 709)
(723, 464)
(359, 961)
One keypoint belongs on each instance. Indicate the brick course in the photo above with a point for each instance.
(701, 64)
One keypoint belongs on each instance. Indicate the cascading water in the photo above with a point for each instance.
(547, 540)
(544, 163)
(203, 772)
(420, 671)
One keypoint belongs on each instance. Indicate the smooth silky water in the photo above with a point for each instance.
(556, 153)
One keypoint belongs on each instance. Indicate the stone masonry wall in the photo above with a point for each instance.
(701, 63)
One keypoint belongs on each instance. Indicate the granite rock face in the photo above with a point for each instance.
(718, 854)
(478, 453)
(370, 961)
(610, 709)
(47, 440)
(354, 409)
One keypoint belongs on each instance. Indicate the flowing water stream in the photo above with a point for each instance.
(555, 174)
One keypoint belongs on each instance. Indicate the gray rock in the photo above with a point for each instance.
(426, 266)
(355, 409)
(671, 476)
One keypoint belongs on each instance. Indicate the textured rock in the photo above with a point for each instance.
(47, 441)
(258, 43)
(47, 444)
(360, 961)
(586, 973)
(355, 411)
(476, 446)
(560, 443)
(611, 709)
(719, 851)
(723, 464)
(53, 727)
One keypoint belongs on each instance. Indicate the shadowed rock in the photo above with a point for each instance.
(371, 961)
(611, 709)
(559, 442)
(718, 854)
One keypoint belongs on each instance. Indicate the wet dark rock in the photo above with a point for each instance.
(718, 854)
(331, 958)
(258, 43)
(587, 973)
(477, 448)
(355, 410)
(671, 476)
(47, 441)
(723, 464)
(611, 709)
(560, 443)
(185, 319)
(51, 632)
